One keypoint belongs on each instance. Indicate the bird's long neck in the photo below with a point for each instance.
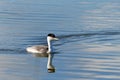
(50, 49)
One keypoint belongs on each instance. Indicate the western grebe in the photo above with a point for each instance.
(41, 48)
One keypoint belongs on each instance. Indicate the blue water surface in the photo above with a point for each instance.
(89, 33)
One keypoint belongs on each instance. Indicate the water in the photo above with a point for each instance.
(88, 48)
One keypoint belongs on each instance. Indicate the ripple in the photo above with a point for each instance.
(103, 48)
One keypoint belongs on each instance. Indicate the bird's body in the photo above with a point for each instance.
(37, 49)
(42, 49)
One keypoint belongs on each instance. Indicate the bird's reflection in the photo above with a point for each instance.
(50, 67)
(40, 55)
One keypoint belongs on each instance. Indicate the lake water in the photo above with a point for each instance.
(89, 33)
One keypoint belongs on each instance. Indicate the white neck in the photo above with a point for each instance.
(49, 64)
(50, 49)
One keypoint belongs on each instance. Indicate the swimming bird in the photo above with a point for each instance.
(42, 49)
